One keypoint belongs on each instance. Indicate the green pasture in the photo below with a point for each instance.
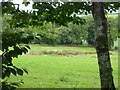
(57, 47)
(62, 71)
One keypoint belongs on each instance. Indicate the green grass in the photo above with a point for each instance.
(55, 71)
(109, 14)
(41, 47)
(114, 15)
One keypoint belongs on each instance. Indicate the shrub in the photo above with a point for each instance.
(46, 34)
(73, 34)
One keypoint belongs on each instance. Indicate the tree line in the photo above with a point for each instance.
(72, 34)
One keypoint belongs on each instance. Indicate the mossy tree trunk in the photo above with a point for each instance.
(101, 43)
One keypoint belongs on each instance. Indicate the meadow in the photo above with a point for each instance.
(62, 71)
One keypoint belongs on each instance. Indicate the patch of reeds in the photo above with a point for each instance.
(60, 52)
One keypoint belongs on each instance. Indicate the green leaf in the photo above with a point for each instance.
(19, 71)
(14, 72)
(24, 50)
(28, 46)
(26, 3)
(25, 70)
(7, 73)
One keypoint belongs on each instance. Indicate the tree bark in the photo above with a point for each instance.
(101, 43)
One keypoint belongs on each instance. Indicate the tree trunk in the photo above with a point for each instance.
(101, 43)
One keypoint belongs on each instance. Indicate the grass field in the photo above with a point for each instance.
(62, 71)
(38, 47)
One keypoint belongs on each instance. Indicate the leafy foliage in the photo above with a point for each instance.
(113, 31)
(49, 11)
(14, 43)
(51, 33)
(11, 86)
(73, 34)
(46, 34)
(57, 12)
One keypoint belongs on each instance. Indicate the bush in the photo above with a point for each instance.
(73, 34)
(90, 30)
(51, 33)
(112, 31)
(46, 34)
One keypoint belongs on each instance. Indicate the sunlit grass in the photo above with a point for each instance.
(56, 71)
(42, 47)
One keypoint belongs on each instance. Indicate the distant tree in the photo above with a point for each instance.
(90, 30)
(73, 34)
(112, 31)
